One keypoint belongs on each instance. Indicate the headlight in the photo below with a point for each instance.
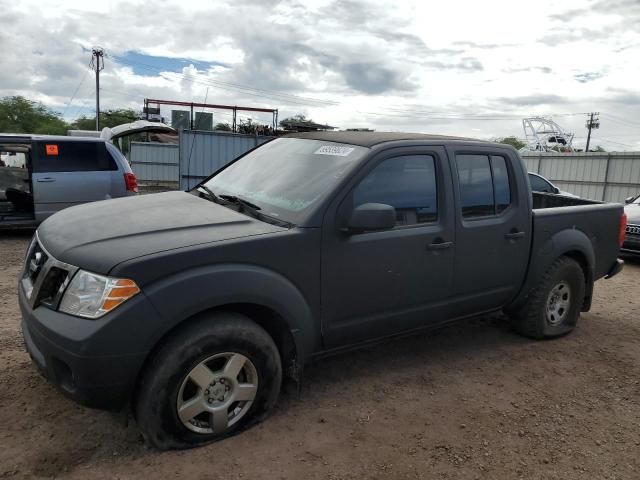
(91, 296)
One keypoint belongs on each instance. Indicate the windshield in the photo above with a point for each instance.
(637, 201)
(287, 176)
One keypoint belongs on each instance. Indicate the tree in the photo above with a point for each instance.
(108, 118)
(20, 115)
(513, 141)
(225, 127)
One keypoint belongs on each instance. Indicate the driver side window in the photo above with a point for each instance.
(407, 183)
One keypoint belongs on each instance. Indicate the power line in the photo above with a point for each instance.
(618, 143)
(621, 120)
(75, 92)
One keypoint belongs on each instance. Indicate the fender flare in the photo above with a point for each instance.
(183, 295)
(570, 242)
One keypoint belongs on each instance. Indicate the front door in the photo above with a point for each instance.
(493, 229)
(69, 172)
(379, 283)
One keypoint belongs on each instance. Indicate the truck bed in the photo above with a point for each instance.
(550, 200)
(556, 218)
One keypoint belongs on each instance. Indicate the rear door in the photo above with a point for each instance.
(70, 172)
(493, 228)
(380, 283)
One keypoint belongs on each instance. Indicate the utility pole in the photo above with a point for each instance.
(97, 64)
(592, 123)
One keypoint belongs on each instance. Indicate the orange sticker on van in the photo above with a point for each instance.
(51, 149)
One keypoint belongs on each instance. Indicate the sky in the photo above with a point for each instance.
(458, 67)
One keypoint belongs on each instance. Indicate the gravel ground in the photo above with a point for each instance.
(469, 401)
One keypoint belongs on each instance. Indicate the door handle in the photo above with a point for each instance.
(514, 235)
(439, 245)
(46, 180)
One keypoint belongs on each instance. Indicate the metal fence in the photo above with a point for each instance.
(607, 176)
(155, 164)
(202, 153)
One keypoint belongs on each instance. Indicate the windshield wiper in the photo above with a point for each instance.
(240, 201)
(208, 191)
(245, 205)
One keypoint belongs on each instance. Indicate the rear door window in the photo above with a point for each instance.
(73, 156)
(484, 185)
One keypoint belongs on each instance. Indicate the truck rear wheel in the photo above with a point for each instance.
(554, 306)
(215, 378)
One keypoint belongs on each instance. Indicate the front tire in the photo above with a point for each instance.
(553, 308)
(216, 377)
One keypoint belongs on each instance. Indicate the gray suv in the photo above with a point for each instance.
(41, 175)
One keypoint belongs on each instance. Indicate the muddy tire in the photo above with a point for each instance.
(553, 307)
(216, 377)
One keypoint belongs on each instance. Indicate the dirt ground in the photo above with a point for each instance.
(469, 401)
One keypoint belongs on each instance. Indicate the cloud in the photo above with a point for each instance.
(465, 64)
(529, 69)
(372, 78)
(484, 46)
(345, 62)
(588, 76)
(534, 99)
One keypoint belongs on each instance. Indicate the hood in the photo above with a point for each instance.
(633, 213)
(98, 236)
(139, 126)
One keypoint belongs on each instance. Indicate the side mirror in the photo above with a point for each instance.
(556, 190)
(629, 199)
(371, 217)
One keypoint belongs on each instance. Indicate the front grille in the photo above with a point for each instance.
(633, 230)
(44, 278)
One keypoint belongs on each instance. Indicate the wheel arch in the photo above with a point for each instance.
(266, 297)
(267, 318)
(571, 243)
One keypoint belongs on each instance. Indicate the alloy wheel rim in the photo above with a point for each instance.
(558, 303)
(217, 393)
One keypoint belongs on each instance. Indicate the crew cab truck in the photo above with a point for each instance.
(191, 307)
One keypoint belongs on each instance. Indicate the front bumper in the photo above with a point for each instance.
(631, 244)
(70, 352)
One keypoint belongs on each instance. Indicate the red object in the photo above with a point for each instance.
(131, 182)
(51, 149)
(623, 228)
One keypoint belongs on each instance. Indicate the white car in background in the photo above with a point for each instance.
(540, 184)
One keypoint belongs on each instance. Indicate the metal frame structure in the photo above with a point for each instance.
(544, 135)
(191, 105)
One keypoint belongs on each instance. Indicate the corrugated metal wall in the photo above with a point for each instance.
(610, 176)
(155, 163)
(202, 153)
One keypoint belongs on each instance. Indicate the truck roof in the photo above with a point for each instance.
(369, 139)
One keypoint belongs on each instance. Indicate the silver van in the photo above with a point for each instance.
(43, 174)
(40, 175)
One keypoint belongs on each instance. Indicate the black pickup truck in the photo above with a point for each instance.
(191, 307)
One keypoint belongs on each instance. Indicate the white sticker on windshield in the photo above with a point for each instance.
(334, 150)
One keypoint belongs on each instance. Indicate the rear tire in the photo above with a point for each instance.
(212, 379)
(553, 308)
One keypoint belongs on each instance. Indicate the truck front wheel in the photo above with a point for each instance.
(554, 306)
(210, 380)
